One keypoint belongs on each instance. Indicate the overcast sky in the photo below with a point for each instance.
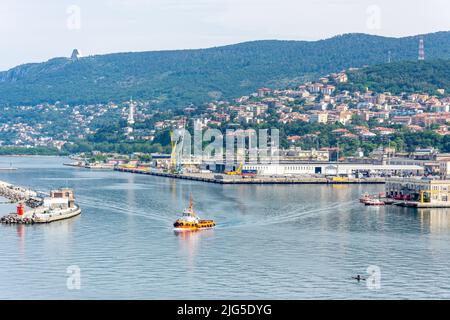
(34, 31)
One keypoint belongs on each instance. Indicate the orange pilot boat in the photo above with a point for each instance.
(189, 221)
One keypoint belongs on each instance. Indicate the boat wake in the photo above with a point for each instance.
(93, 203)
(291, 213)
(287, 213)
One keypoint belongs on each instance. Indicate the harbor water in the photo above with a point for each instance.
(271, 241)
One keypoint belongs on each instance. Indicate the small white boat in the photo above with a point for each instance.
(364, 197)
(374, 202)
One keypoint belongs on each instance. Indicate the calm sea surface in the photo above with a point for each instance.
(271, 242)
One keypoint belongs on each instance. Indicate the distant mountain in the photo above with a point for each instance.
(181, 77)
(403, 76)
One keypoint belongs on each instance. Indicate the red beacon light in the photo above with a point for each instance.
(20, 209)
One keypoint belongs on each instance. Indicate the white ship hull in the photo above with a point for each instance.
(55, 215)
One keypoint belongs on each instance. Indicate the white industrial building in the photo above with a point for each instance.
(331, 168)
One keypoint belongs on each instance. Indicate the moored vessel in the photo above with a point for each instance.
(374, 202)
(364, 197)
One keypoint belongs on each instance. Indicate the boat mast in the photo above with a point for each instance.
(191, 205)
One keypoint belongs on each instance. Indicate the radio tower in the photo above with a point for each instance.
(421, 50)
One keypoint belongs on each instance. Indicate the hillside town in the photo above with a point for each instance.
(321, 102)
(55, 125)
(354, 115)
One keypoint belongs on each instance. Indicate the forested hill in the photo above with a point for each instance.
(195, 76)
(399, 77)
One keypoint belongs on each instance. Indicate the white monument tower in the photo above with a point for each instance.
(76, 55)
(130, 120)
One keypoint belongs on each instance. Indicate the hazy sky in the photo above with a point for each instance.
(33, 31)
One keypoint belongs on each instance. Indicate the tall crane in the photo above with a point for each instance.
(173, 155)
(177, 143)
(238, 171)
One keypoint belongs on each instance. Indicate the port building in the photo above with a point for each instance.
(324, 168)
(333, 169)
(419, 192)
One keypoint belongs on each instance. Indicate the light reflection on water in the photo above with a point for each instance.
(271, 241)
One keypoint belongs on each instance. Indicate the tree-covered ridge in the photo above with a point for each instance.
(399, 77)
(174, 78)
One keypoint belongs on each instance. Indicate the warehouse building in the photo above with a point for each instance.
(333, 169)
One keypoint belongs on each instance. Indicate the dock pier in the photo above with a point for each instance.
(424, 205)
(224, 179)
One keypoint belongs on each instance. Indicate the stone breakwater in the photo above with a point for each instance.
(15, 193)
(32, 208)
(13, 218)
